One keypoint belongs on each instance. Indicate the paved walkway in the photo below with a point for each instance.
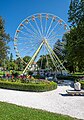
(55, 101)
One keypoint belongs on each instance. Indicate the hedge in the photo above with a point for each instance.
(41, 87)
(72, 77)
(82, 84)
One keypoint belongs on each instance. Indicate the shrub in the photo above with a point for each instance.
(30, 72)
(71, 77)
(38, 76)
(40, 87)
(82, 84)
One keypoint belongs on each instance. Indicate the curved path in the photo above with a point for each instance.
(56, 101)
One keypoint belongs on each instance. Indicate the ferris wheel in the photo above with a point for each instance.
(36, 36)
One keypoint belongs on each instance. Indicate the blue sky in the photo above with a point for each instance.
(14, 11)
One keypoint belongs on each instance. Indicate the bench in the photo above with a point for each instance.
(74, 92)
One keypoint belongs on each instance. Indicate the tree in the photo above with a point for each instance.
(4, 39)
(58, 49)
(42, 62)
(11, 57)
(76, 12)
(75, 38)
(26, 59)
(45, 62)
(12, 66)
(19, 63)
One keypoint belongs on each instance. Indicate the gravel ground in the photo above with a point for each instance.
(56, 101)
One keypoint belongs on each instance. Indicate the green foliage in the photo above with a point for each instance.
(38, 76)
(58, 49)
(11, 57)
(74, 50)
(63, 77)
(42, 62)
(45, 62)
(30, 72)
(75, 38)
(12, 66)
(76, 12)
(4, 39)
(14, 112)
(82, 84)
(19, 63)
(40, 87)
(26, 59)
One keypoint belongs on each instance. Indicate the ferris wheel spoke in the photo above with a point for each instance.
(29, 35)
(45, 25)
(30, 31)
(33, 28)
(23, 38)
(38, 28)
(28, 38)
(25, 33)
(57, 30)
(25, 43)
(24, 49)
(28, 46)
(57, 35)
(49, 27)
(41, 25)
(52, 29)
(20, 43)
(54, 34)
(27, 52)
(32, 49)
(40, 32)
(53, 38)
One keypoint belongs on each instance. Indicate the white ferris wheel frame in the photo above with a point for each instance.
(44, 41)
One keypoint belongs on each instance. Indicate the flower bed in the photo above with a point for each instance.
(34, 87)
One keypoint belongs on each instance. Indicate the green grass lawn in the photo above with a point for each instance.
(14, 112)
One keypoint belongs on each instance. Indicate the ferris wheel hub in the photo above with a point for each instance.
(44, 40)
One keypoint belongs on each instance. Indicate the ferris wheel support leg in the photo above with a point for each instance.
(55, 55)
(57, 63)
(51, 56)
(33, 57)
(53, 61)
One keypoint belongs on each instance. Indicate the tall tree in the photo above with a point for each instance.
(75, 39)
(4, 39)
